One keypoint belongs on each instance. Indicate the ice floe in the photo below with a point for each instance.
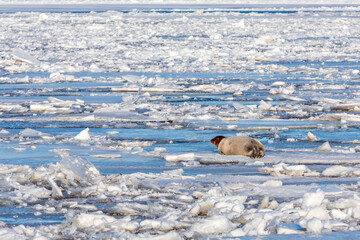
(83, 135)
(21, 55)
(135, 95)
(203, 210)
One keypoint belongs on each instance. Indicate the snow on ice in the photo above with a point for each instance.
(106, 116)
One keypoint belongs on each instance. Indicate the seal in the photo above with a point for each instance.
(239, 145)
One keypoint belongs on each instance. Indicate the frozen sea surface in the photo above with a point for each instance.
(106, 113)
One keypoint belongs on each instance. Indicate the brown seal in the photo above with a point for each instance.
(239, 145)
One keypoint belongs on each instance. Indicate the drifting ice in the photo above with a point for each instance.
(83, 135)
(78, 169)
(25, 57)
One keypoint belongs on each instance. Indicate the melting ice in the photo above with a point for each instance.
(106, 117)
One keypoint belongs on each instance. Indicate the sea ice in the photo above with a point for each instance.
(216, 224)
(312, 199)
(338, 214)
(23, 56)
(180, 157)
(337, 171)
(83, 135)
(78, 169)
(290, 228)
(311, 137)
(283, 169)
(31, 133)
(56, 191)
(92, 220)
(191, 72)
(318, 212)
(325, 147)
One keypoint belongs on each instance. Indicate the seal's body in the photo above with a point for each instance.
(239, 145)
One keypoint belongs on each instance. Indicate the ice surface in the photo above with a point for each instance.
(213, 225)
(30, 133)
(78, 169)
(312, 199)
(83, 135)
(135, 92)
(23, 56)
(56, 191)
(325, 147)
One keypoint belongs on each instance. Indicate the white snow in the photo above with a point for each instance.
(83, 135)
(214, 225)
(23, 56)
(314, 225)
(312, 199)
(153, 84)
(341, 171)
(213, 211)
(181, 157)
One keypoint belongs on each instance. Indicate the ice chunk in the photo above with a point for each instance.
(296, 170)
(83, 135)
(355, 212)
(91, 220)
(214, 225)
(294, 99)
(201, 208)
(289, 228)
(30, 133)
(264, 203)
(78, 169)
(133, 78)
(325, 147)
(4, 132)
(278, 84)
(56, 191)
(264, 106)
(112, 156)
(311, 137)
(318, 212)
(256, 227)
(314, 225)
(282, 90)
(112, 132)
(282, 169)
(313, 199)
(155, 224)
(272, 183)
(25, 57)
(166, 236)
(125, 224)
(230, 206)
(335, 171)
(344, 203)
(39, 107)
(240, 107)
(180, 157)
(338, 214)
(205, 88)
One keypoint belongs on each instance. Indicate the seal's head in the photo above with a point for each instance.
(216, 140)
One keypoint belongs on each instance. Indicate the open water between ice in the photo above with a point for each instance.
(105, 132)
